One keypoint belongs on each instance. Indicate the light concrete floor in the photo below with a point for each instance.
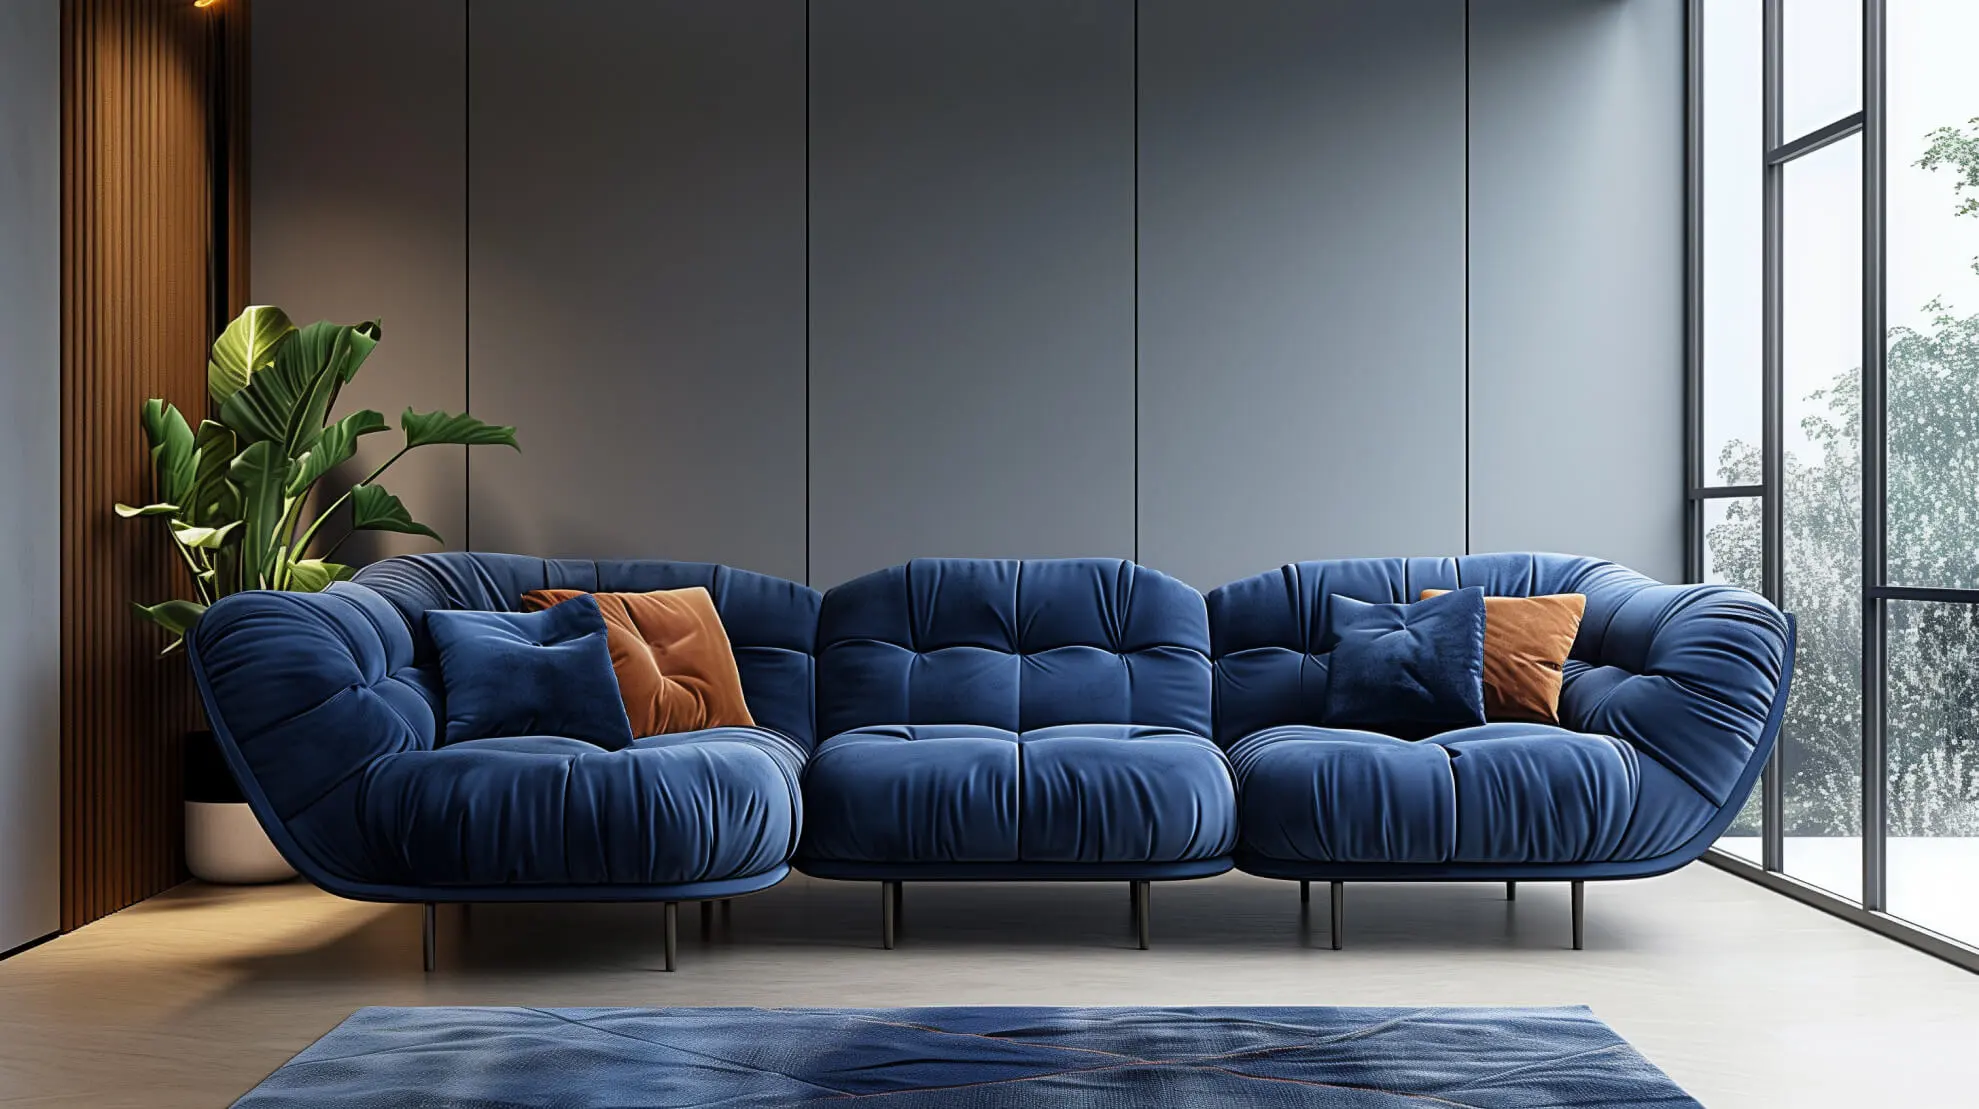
(1744, 997)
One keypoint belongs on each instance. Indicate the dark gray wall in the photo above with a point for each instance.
(360, 212)
(1576, 259)
(1301, 282)
(637, 279)
(30, 485)
(813, 288)
(972, 307)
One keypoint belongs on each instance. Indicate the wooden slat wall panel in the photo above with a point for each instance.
(137, 240)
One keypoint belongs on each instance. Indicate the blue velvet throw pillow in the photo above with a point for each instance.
(545, 673)
(1407, 670)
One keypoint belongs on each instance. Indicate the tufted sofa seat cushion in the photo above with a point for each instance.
(927, 794)
(688, 807)
(1499, 793)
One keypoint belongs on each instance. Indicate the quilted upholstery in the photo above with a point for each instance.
(1013, 645)
(1671, 699)
(1037, 714)
(922, 794)
(329, 705)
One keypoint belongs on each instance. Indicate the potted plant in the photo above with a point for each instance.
(238, 500)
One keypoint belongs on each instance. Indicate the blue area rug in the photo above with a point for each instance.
(476, 1058)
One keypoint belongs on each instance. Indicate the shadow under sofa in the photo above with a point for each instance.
(981, 720)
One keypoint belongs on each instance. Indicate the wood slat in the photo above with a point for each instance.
(140, 83)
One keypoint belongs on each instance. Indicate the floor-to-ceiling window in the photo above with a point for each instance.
(1835, 427)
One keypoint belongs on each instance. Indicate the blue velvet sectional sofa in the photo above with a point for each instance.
(972, 720)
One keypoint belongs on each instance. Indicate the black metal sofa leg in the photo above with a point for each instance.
(672, 933)
(1305, 892)
(1511, 891)
(1580, 912)
(1143, 909)
(429, 934)
(1339, 913)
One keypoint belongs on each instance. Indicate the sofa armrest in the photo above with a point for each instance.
(1687, 674)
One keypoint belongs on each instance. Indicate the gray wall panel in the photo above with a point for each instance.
(359, 212)
(1577, 279)
(638, 279)
(971, 275)
(1301, 282)
(30, 485)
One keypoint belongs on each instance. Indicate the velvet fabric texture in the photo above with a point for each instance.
(676, 670)
(1526, 644)
(1037, 714)
(530, 674)
(1407, 670)
(988, 720)
(1670, 703)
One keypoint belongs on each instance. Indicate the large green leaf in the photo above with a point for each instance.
(288, 401)
(336, 446)
(214, 502)
(131, 512)
(177, 617)
(313, 575)
(424, 429)
(173, 453)
(261, 473)
(204, 539)
(246, 348)
(373, 509)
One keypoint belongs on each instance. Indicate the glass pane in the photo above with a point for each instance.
(1933, 752)
(1822, 301)
(1934, 294)
(1731, 556)
(1734, 138)
(1821, 63)
(1732, 538)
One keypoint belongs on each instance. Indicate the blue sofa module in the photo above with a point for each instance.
(328, 706)
(1029, 720)
(1671, 704)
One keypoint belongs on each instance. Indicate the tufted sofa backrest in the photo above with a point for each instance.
(771, 623)
(1016, 645)
(1686, 674)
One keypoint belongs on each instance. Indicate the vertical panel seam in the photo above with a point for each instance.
(467, 263)
(1467, 277)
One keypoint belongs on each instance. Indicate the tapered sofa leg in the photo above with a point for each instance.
(1511, 891)
(886, 915)
(672, 928)
(430, 935)
(1305, 892)
(707, 919)
(1143, 909)
(899, 907)
(1339, 913)
(1580, 911)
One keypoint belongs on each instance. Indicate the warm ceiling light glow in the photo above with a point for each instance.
(204, 3)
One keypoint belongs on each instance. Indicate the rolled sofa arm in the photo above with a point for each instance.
(1694, 676)
(304, 691)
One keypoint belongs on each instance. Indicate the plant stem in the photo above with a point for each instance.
(323, 517)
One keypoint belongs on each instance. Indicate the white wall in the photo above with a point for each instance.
(30, 483)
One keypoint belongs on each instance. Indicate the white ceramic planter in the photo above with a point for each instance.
(225, 844)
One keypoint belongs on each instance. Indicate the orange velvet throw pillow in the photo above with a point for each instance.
(1526, 643)
(676, 670)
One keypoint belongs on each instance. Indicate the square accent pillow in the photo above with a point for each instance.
(676, 670)
(1407, 670)
(529, 673)
(1526, 644)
